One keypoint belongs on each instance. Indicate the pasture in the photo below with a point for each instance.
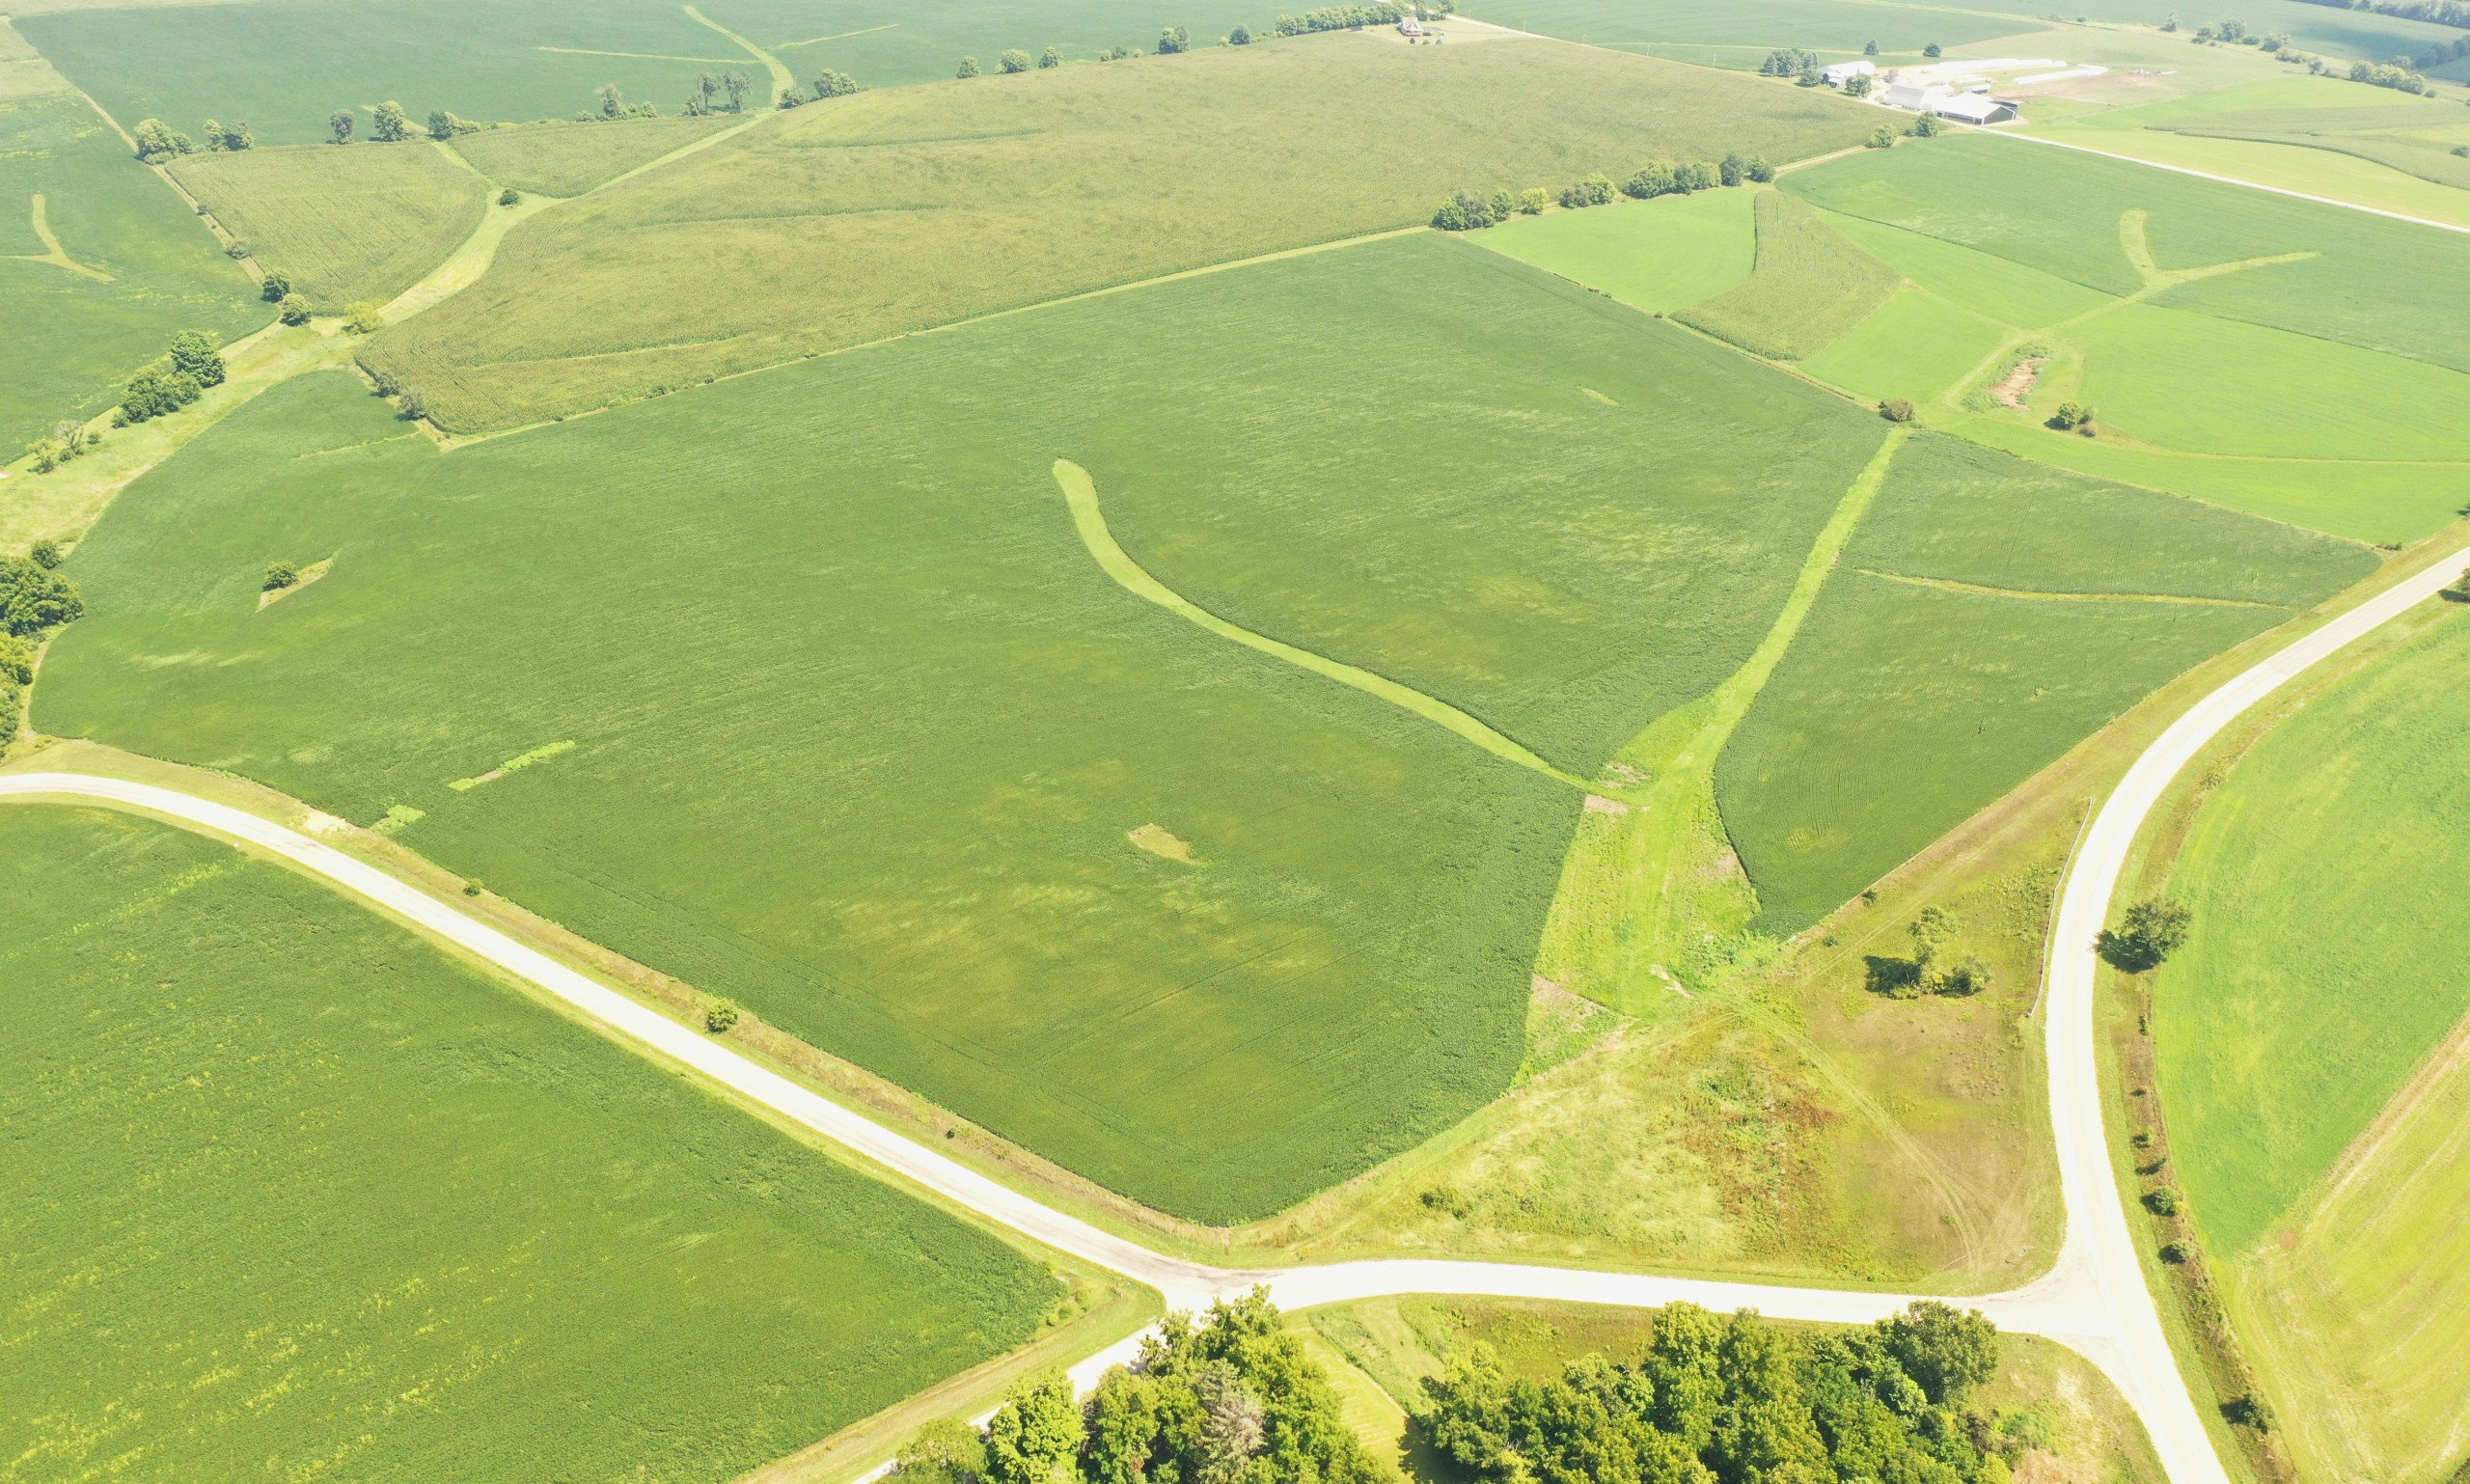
(802, 235)
(2309, 1039)
(290, 1193)
(1810, 286)
(1341, 968)
(100, 265)
(1656, 255)
(344, 224)
(1987, 615)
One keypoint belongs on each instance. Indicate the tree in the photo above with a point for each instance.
(342, 122)
(293, 309)
(1760, 169)
(34, 598)
(1241, 36)
(443, 125)
(364, 317)
(275, 287)
(1949, 1352)
(2171, 23)
(1014, 61)
(719, 1015)
(155, 391)
(968, 68)
(1871, 50)
(509, 197)
(793, 98)
(194, 355)
(158, 142)
(1896, 409)
(831, 84)
(1532, 201)
(45, 554)
(1857, 86)
(278, 576)
(388, 124)
(1173, 39)
(2153, 929)
(16, 660)
(612, 105)
(46, 455)
(1053, 57)
(1464, 211)
(1933, 50)
(1036, 1437)
(1926, 126)
(1734, 170)
(213, 134)
(2071, 416)
(707, 88)
(1651, 180)
(942, 1452)
(736, 85)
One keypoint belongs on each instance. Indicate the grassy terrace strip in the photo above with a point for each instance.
(1080, 494)
(365, 222)
(290, 1191)
(1820, 786)
(100, 265)
(799, 235)
(568, 159)
(1809, 288)
(2311, 1059)
(1658, 255)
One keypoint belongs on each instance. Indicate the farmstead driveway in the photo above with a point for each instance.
(2093, 1300)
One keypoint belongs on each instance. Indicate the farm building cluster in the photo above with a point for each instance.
(1963, 89)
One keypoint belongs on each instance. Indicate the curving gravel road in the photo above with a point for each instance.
(2093, 1299)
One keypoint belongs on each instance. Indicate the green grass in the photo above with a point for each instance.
(1904, 708)
(2308, 1040)
(2311, 27)
(1810, 286)
(1656, 255)
(285, 64)
(1916, 346)
(568, 159)
(885, 42)
(1744, 32)
(804, 233)
(907, 722)
(74, 338)
(2374, 283)
(290, 1193)
(363, 222)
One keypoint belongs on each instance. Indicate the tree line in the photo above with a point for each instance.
(1470, 211)
(34, 598)
(158, 141)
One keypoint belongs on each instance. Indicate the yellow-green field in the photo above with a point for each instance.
(359, 222)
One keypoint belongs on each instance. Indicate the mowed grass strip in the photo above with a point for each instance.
(287, 1193)
(1809, 288)
(865, 739)
(73, 337)
(1903, 707)
(804, 233)
(345, 224)
(568, 159)
(1656, 255)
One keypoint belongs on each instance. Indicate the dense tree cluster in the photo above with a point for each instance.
(1789, 62)
(443, 125)
(1469, 212)
(34, 597)
(1338, 17)
(2150, 931)
(1936, 967)
(1231, 1400)
(2072, 418)
(191, 366)
(1737, 1400)
(158, 141)
(1173, 41)
(708, 88)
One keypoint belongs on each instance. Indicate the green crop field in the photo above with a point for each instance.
(126, 268)
(1809, 288)
(2313, 27)
(568, 159)
(805, 234)
(1916, 346)
(2323, 972)
(1341, 969)
(1721, 33)
(362, 222)
(1656, 255)
(885, 42)
(1982, 627)
(292, 1195)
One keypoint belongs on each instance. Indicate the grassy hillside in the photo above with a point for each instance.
(2311, 1031)
(2351, 34)
(1809, 288)
(568, 159)
(288, 1193)
(1977, 635)
(805, 235)
(126, 267)
(1719, 33)
(916, 736)
(1656, 255)
(363, 222)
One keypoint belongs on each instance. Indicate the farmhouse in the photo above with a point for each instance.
(1410, 26)
(1837, 75)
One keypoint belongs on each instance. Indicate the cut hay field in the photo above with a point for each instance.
(1991, 614)
(2310, 1042)
(1810, 286)
(804, 234)
(360, 222)
(289, 1194)
(126, 268)
(568, 159)
(1656, 255)
(922, 745)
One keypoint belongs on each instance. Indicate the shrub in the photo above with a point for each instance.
(1532, 201)
(509, 197)
(1896, 409)
(412, 406)
(1014, 61)
(364, 317)
(1928, 126)
(1447, 1200)
(16, 660)
(2071, 416)
(45, 554)
(47, 454)
(1882, 137)
(1760, 169)
(2161, 1200)
(1734, 170)
(2175, 1252)
(719, 1015)
(278, 576)
(831, 84)
(293, 309)
(1174, 39)
(1870, 50)
(1933, 50)
(473, 887)
(2250, 1410)
(1240, 36)
(273, 290)
(968, 68)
